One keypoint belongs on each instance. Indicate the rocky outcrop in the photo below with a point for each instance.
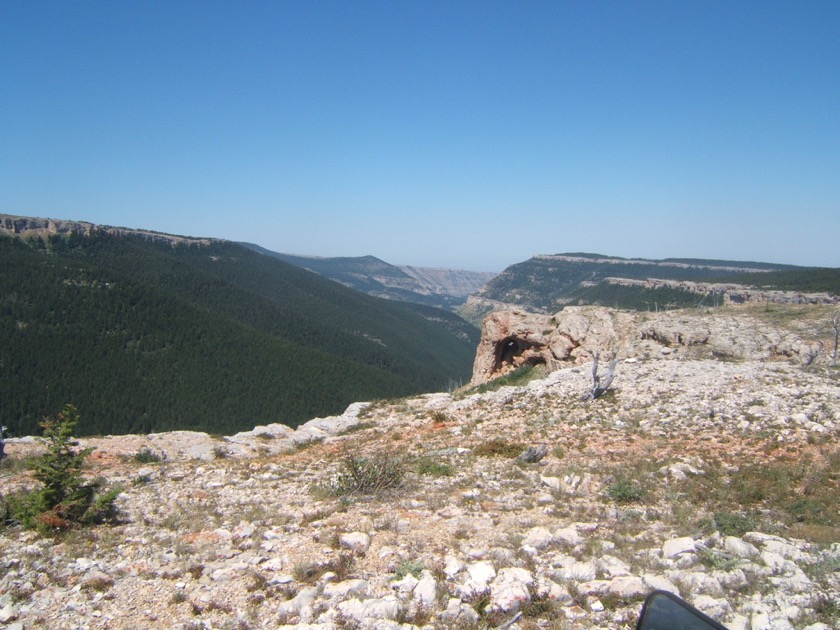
(729, 293)
(514, 338)
(246, 540)
(456, 282)
(32, 227)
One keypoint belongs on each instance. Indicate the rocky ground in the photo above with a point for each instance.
(716, 480)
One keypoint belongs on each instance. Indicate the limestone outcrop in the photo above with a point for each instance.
(514, 338)
(34, 227)
(624, 502)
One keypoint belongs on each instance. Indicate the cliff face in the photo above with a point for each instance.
(33, 227)
(730, 293)
(456, 282)
(514, 338)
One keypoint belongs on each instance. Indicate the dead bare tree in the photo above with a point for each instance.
(813, 353)
(599, 388)
(835, 324)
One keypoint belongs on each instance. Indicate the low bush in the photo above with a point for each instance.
(147, 456)
(66, 498)
(433, 467)
(499, 447)
(733, 524)
(368, 475)
(625, 490)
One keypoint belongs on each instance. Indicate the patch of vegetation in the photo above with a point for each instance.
(638, 298)
(541, 606)
(799, 492)
(410, 567)
(806, 279)
(516, 378)
(141, 480)
(147, 456)
(733, 524)
(341, 565)
(220, 452)
(499, 447)
(367, 475)
(433, 467)
(717, 561)
(626, 490)
(66, 499)
(355, 428)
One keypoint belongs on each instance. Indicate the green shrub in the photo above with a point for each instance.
(624, 490)
(147, 456)
(368, 475)
(410, 567)
(66, 499)
(434, 467)
(732, 524)
(515, 378)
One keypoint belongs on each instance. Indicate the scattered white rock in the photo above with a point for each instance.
(676, 546)
(568, 536)
(538, 537)
(357, 541)
(739, 548)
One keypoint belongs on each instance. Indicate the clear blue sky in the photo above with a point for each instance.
(449, 134)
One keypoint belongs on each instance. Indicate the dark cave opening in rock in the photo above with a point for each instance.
(513, 352)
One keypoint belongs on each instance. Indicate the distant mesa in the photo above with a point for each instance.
(548, 283)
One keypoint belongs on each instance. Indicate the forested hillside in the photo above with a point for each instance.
(546, 283)
(145, 335)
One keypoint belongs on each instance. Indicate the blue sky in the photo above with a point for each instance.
(447, 134)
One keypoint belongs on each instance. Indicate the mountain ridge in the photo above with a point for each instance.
(153, 332)
(445, 288)
(546, 283)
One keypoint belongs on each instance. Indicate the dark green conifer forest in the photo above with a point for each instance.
(142, 335)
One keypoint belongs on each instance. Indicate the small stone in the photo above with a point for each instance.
(425, 593)
(481, 572)
(568, 536)
(8, 613)
(579, 571)
(661, 583)
(347, 588)
(552, 482)
(388, 607)
(538, 537)
(357, 541)
(715, 608)
(676, 546)
(594, 604)
(511, 588)
(458, 613)
(739, 548)
(453, 566)
(628, 587)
